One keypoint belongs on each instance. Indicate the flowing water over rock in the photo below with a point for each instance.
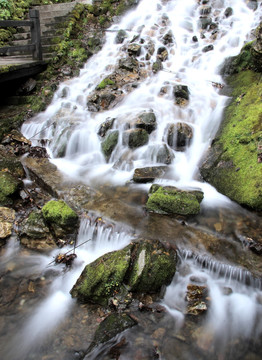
(154, 92)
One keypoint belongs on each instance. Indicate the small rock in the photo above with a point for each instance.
(7, 218)
(208, 48)
(121, 36)
(134, 50)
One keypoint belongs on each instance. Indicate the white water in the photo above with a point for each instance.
(229, 316)
(76, 127)
(58, 304)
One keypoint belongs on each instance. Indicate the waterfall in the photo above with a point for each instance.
(71, 130)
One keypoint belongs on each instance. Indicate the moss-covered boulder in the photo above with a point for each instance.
(35, 234)
(170, 200)
(9, 188)
(152, 267)
(141, 267)
(61, 218)
(103, 277)
(109, 143)
(232, 165)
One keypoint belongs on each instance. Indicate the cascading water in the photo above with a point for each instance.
(70, 131)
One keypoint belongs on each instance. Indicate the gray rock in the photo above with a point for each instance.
(179, 136)
(148, 174)
(135, 138)
(146, 121)
(120, 37)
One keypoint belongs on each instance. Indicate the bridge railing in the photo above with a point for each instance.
(34, 23)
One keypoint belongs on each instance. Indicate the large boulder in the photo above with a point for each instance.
(170, 200)
(35, 234)
(232, 163)
(141, 267)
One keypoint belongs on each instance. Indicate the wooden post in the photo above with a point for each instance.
(36, 34)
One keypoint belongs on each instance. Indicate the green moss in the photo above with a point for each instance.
(153, 267)
(9, 186)
(59, 213)
(101, 278)
(167, 200)
(104, 83)
(239, 137)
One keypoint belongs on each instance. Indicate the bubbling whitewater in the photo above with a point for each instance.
(67, 123)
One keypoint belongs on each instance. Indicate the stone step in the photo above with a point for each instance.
(45, 40)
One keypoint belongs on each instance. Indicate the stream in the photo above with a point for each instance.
(39, 319)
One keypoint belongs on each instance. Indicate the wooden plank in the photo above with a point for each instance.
(11, 23)
(36, 34)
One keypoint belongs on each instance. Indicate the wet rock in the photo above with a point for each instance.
(129, 64)
(7, 218)
(105, 126)
(256, 49)
(228, 12)
(205, 10)
(196, 298)
(141, 267)
(148, 174)
(134, 49)
(135, 138)
(27, 87)
(121, 36)
(35, 234)
(62, 219)
(157, 66)
(170, 200)
(168, 38)
(162, 54)
(179, 136)
(9, 188)
(252, 4)
(194, 38)
(66, 71)
(111, 326)
(208, 48)
(109, 144)
(146, 121)
(204, 22)
(181, 93)
(101, 101)
(164, 155)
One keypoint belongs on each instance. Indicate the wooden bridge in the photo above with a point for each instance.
(14, 67)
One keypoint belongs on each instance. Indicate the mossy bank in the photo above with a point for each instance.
(233, 163)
